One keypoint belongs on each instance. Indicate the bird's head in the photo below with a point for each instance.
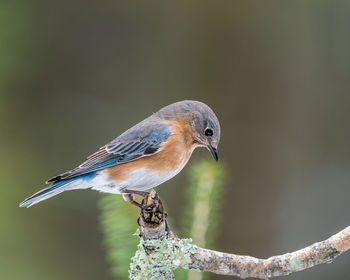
(206, 126)
(203, 121)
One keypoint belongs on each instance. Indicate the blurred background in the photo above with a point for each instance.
(76, 74)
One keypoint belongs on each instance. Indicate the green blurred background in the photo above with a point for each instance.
(75, 74)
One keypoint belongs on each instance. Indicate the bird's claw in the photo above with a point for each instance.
(167, 228)
(138, 221)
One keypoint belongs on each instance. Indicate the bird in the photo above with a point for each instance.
(144, 156)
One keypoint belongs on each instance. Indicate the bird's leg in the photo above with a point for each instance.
(128, 196)
(134, 192)
(130, 199)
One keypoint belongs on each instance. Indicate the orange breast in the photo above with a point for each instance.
(173, 155)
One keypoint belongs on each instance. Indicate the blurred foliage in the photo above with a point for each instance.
(201, 220)
(204, 195)
(119, 225)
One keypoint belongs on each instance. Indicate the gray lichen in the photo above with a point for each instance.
(157, 258)
(295, 263)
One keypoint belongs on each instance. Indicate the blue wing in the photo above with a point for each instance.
(144, 139)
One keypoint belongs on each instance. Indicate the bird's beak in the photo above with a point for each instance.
(213, 151)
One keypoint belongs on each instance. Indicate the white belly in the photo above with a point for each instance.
(139, 179)
(143, 179)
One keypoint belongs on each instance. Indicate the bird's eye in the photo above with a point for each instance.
(208, 132)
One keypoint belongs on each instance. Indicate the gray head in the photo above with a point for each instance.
(204, 123)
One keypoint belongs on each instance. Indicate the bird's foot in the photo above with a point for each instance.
(128, 196)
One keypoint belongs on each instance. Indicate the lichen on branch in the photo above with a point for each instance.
(158, 258)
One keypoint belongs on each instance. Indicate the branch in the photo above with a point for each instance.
(245, 266)
(160, 252)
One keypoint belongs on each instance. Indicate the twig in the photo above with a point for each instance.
(163, 252)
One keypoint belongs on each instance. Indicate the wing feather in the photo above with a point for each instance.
(139, 141)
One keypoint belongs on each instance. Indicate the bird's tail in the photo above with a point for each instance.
(50, 191)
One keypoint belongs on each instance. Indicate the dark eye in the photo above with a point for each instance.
(208, 132)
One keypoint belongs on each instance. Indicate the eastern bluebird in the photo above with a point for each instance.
(144, 156)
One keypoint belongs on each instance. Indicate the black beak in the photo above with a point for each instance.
(213, 151)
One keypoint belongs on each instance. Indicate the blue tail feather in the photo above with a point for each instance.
(53, 189)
